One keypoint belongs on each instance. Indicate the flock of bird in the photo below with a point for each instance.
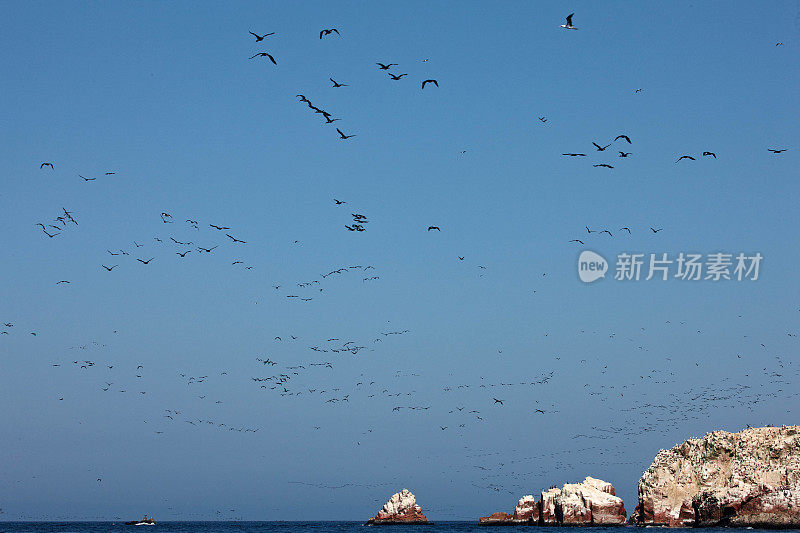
(648, 398)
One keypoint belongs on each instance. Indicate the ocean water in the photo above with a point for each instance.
(288, 527)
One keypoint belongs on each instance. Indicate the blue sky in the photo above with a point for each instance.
(164, 96)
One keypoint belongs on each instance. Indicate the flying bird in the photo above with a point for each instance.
(144, 262)
(264, 54)
(109, 268)
(623, 137)
(342, 135)
(336, 84)
(430, 81)
(47, 165)
(498, 401)
(777, 151)
(685, 157)
(261, 37)
(386, 67)
(710, 153)
(603, 165)
(655, 230)
(575, 155)
(576, 240)
(626, 229)
(569, 25)
(600, 148)
(339, 202)
(624, 154)
(218, 227)
(234, 239)
(430, 228)
(397, 77)
(328, 32)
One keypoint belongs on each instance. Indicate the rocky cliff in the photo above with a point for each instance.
(591, 502)
(750, 478)
(401, 508)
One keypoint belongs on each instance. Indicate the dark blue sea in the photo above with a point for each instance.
(286, 527)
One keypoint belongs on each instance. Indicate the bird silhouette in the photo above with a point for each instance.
(386, 67)
(685, 157)
(261, 37)
(430, 228)
(328, 32)
(336, 84)
(430, 81)
(342, 135)
(264, 54)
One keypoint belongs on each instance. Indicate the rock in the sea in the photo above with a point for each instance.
(549, 508)
(495, 519)
(401, 508)
(750, 478)
(591, 502)
(527, 509)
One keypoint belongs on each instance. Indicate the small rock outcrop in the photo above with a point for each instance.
(750, 478)
(401, 508)
(591, 502)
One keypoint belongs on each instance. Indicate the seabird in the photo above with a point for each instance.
(569, 25)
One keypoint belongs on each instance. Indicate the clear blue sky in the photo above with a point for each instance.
(164, 96)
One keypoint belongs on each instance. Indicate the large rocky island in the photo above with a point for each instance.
(750, 478)
(401, 508)
(589, 503)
